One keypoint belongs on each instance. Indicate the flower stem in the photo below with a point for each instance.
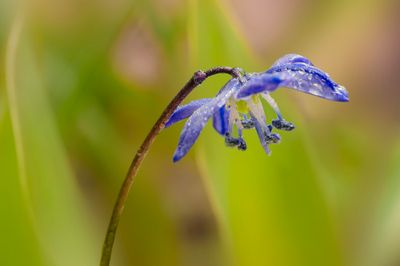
(197, 78)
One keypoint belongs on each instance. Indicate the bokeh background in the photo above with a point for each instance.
(81, 83)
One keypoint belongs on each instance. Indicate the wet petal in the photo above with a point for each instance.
(199, 118)
(311, 80)
(185, 111)
(221, 120)
(259, 83)
(290, 59)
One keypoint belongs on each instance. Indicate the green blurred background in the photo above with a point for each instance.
(83, 82)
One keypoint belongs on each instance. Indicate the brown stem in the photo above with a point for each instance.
(197, 78)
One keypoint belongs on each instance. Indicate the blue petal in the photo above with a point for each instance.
(221, 120)
(199, 118)
(259, 83)
(309, 79)
(292, 58)
(185, 111)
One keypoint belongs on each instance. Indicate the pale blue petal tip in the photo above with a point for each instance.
(176, 158)
(183, 112)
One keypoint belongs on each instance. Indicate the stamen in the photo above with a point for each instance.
(247, 123)
(260, 133)
(242, 145)
(231, 141)
(272, 103)
(240, 129)
(279, 123)
(233, 116)
(257, 111)
(235, 142)
(272, 138)
(283, 124)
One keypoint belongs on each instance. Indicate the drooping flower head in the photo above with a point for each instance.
(238, 104)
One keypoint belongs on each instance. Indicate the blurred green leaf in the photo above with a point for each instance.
(213, 40)
(19, 244)
(59, 215)
(383, 238)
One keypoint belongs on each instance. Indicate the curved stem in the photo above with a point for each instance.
(197, 78)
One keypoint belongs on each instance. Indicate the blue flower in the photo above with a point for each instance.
(238, 104)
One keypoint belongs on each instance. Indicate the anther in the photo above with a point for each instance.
(230, 141)
(248, 123)
(272, 138)
(283, 124)
(242, 145)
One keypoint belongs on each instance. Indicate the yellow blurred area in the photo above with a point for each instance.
(82, 82)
